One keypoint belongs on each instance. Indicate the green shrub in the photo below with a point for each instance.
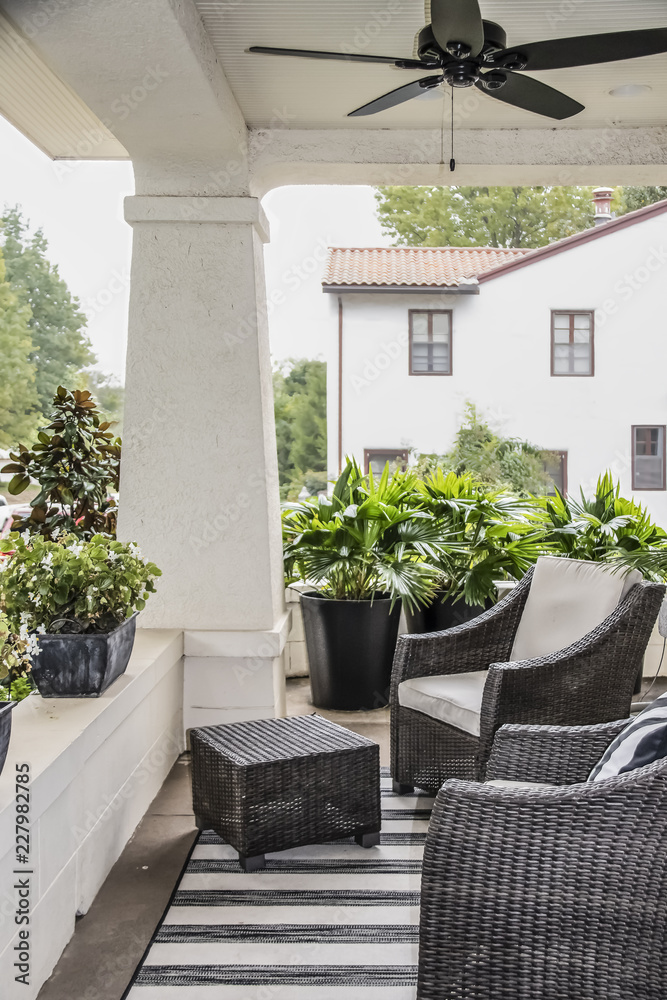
(73, 586)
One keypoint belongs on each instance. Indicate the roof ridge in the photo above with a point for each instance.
(466, 249)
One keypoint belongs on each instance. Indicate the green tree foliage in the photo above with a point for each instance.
(526, 217)
(633, 198)
(60, 347)
(110, 396)
(300, 398)
(18, 398)
(493, 461)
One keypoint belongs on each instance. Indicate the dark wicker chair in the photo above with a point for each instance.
(588, 682)
(556, 894)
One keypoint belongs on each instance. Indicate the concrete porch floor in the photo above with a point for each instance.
(110, 940)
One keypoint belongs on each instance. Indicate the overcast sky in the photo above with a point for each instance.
(79, 205)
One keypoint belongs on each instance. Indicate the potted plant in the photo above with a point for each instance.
(603, 528)
(78, 599)
(76, 462)
(367, 548)
(490, 538)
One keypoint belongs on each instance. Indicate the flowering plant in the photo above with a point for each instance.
(72, 586)
(15, 651)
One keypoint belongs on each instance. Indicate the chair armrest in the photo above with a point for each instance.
(555, 755)
(513, 876)
(471, 646)
(588, 682)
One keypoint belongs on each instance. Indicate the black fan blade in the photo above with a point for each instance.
(346, 57)
(560, 53)
(531, 95)
(398, 96)
(458, 21)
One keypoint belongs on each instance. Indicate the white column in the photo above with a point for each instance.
(199, 480)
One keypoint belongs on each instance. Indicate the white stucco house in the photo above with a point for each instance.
(563, 346)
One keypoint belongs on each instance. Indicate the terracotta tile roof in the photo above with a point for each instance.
(430, 267)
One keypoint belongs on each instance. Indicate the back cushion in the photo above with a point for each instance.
(567, 599)
(642, 741)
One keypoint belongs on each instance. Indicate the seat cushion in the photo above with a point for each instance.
(568, 598)
(452, 698)
(641, 742)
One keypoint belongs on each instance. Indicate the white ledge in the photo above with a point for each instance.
(258, 644)
(170, 208)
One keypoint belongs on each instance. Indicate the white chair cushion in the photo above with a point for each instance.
(501, 783)
(452, 698)
(568, 598)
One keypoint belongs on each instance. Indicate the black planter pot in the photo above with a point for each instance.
(5, 729)
(350, 650)
(443, 615)
(82, 666)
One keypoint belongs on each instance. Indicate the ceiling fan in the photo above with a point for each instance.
(467, 51)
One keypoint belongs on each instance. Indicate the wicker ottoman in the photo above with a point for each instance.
(279, 783)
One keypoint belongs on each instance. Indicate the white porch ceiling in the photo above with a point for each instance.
(44, 108)
(315, 94)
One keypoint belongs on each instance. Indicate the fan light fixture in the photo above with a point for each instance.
(462, 49)
(630, 90)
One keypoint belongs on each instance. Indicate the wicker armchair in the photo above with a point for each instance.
(590, 681)
(557, 893)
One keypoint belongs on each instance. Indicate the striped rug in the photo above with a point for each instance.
(325, 922)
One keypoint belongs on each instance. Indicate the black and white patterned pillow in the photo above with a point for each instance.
(642, 741)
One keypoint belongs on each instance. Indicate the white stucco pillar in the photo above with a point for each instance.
(199, 480)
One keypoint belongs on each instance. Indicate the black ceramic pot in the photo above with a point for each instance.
(442, 615)
(5, 729)
(350, 650)
(82, 666)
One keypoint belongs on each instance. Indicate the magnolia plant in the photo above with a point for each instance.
(76, 462)
(72, 585)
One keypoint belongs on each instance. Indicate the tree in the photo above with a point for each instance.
(18, 398)
(110, 396)
(633, 198)
(300, 400)
(60, 347)
(504, 463)
(483, 216)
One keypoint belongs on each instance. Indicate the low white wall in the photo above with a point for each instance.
(296, 655)
(96, 765)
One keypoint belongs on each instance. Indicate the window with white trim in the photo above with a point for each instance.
(572, 343)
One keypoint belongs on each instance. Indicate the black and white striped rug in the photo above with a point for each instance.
(325, 922)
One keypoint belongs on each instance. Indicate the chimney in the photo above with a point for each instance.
(602, 203)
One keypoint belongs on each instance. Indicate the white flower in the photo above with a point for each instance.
(47, 561)
(33, 643)
(350, 511)
(41, 630)
(55, 533)
(24, 617)
(76, 549)
(134, 550)
(25, 535)
(113, 556)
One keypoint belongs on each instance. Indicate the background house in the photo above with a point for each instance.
(564, 346)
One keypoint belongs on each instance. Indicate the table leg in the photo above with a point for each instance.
(368, 839)
(252, 864)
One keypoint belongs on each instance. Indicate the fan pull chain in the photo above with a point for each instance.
(452, 162)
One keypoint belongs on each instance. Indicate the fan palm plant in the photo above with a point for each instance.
(368, 537)
(604, 528)
(489, 533)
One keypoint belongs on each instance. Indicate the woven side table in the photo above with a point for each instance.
(279, 783)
